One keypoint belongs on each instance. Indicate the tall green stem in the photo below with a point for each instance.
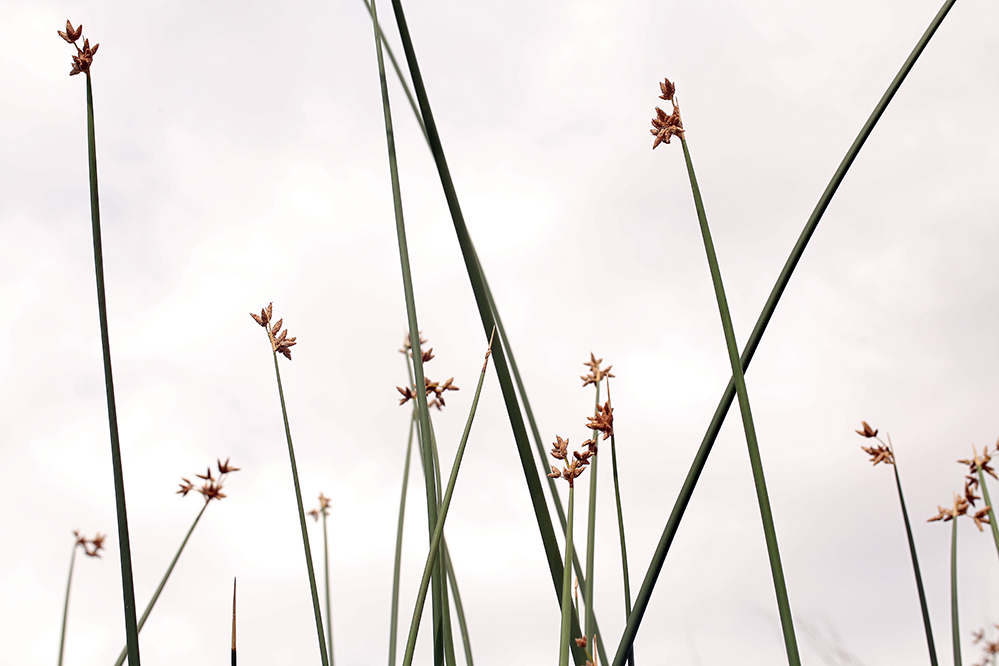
(65, 606)
(459, 609)
(125, 552)
(701, 457)
(915, 567)
(301, 519)
(414, 334)
(988, 503)
(787, 625)
(326, 565)
(163, 581)
(591, 529)
(397, 569)
(620, 528)
(955, 628)
(565, 636)
(438, 533)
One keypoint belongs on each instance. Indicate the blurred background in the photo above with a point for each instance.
(242, 160)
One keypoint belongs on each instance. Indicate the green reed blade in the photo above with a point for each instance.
(759, 480)
(486, 315)
(459, 609)
(163, 581)
(591, 530)
(301, 519)
(620, 528)
(954, 624)
(397, 569)
(565, 637)
(65, 606)
(435, 540)
(414, 333)
(125, 552)
(700, 458)
(915, 567)
(329, 616)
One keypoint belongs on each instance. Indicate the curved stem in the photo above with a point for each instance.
(954, 625)
(65, 606)
(397, 569)
(565, 637)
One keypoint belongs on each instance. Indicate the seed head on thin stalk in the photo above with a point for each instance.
(211, 489)
(96, 545)
(665, 125)
(85, 56)
(596, 375)
(577, 465)
(324, 506)
(431, 387)
(990, 649)
(977, 462)
(603, 421)
(280, 342)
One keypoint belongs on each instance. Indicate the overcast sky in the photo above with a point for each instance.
(242, 160)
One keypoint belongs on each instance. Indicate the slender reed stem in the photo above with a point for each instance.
(414, 335)
(125, 553)
(701, 457)
(326, 565)
(565, 636)
(787, 625)
(475, 276)
(397, 569)
(301, 520)
(988, 503)
(591, 529)
(233, 622)
(620, 527)
(435, 540)
(915, 564)
(441, 566)
(163, 581)
(65, 606)
(458, 607)
(954, 625)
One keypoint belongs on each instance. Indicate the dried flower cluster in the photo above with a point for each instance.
(961, 505)
(324, 505)
(603, 421)
(280, 342)
(575, 467)
(990, 649)
(596, 375)
(665, 125)
(212, 487)
(879, 453)
(431, 387)
(85, 56)
(92, 547)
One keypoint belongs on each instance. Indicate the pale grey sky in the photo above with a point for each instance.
(242, 160)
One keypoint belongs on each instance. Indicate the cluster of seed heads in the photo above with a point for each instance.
(85, 56)
(437, 389)
(665, 125)
(92, 547)
(990, 649)
(280, 342)
(601, 422)
(211, 488)
(324, 506)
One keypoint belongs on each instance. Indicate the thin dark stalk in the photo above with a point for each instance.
(701, 457)
(915, 566)
(65, 606)
(591, 529)
(620, 527)
(565, 636)
(125, 552)
(301, 519)
(163, 581)
(780, 588)
(326, 564)
(955, 627)
(233, 622)
(397, 569)
(459, 609)
(438, 533)
(988, 503)
(414, 334)
(441, 565)
(488, 321)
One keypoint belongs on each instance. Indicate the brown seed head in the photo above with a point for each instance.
(98, 545)
(867, 431)
(596, 375)
(981, 517)
(71, 35)
(603, 421)
(185, 487)
(667, 89)
(560, 449)
(879, 454)
(224, 467)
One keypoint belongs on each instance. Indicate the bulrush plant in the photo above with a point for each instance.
(280, 343)
(665, 126)
(883, 453)
(958, 508)
(210, 489)
(324, 511)
(978, 467)
(91, 548)
(82, 62)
